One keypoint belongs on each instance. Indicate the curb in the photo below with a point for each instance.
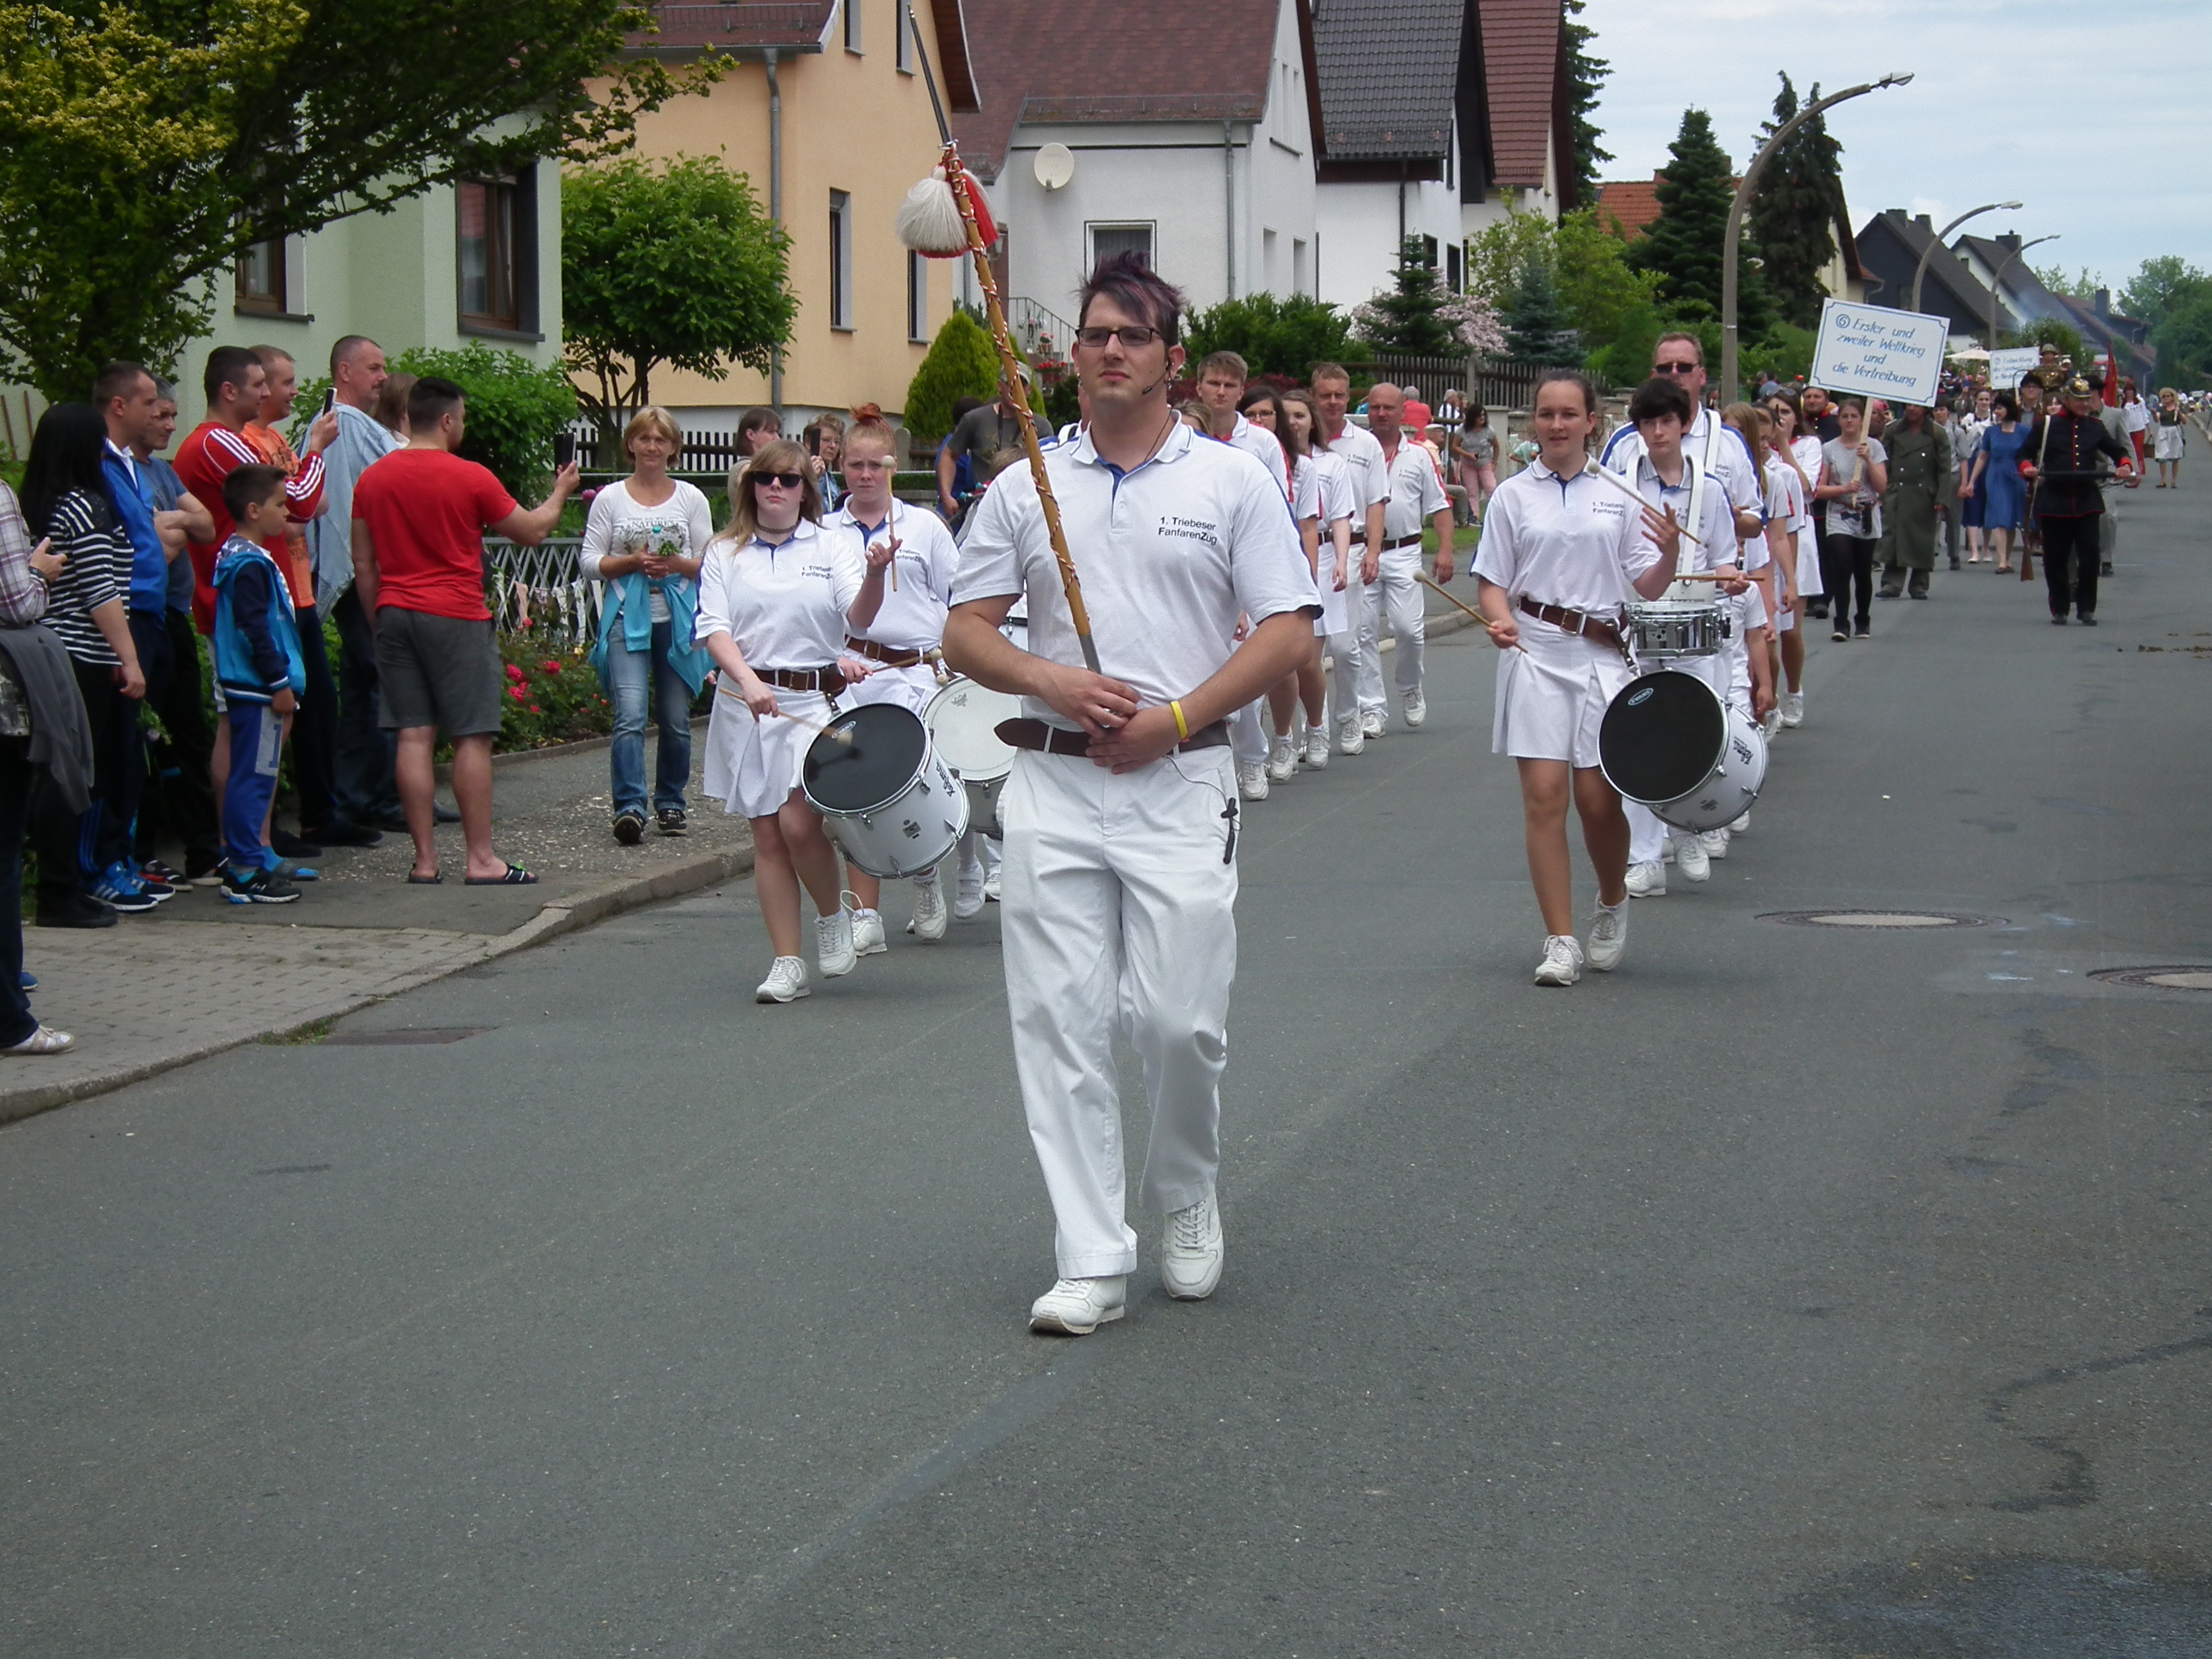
(443, 769)
(552, 920)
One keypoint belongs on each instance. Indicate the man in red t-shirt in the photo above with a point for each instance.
(420, 516)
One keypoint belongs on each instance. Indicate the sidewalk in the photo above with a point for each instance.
(201, 974)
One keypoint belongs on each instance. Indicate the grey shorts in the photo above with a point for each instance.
(437, 671)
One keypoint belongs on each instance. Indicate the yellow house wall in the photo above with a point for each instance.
(852, 122)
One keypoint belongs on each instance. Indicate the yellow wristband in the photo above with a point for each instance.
(1182, 726)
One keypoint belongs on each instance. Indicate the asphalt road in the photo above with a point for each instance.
(1792, 1292)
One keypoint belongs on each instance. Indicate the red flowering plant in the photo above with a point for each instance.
(551, 697)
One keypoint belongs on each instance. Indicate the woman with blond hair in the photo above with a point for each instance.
(776, 598)
(644, 538)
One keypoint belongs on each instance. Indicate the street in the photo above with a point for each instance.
(1809, 1291)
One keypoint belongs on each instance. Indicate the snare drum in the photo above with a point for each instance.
(962, 718)
(1663, 629)
(885, 795)
(1668, 741)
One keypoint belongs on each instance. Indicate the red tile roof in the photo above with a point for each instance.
(1522, 47)
(1633, 201)
(1135, 60)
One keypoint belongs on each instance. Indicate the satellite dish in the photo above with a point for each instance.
(1055, 166)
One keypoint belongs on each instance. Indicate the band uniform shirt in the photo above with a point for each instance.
(784, 605)
(1717, 444)
(1363, 453)
(1705, 513)
(1262, 447)
(1575, 542)
(1340, 495)
(1416, 491)
(912, 618)
(1169, 555)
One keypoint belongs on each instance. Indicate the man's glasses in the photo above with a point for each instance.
(1676, 368)
(1134, 337)
(789, 480)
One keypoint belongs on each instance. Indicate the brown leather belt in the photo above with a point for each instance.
(1359, 539)
(1056, 740)
(827, 681)
(1575, 622)
(883, 654)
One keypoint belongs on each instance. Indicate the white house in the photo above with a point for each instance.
(1182, 132)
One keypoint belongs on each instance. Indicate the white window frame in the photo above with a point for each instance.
(853, 25)
(1149, 227)
(840, 260)
(907, 24)
(917, 298)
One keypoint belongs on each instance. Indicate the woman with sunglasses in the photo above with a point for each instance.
(776, 598)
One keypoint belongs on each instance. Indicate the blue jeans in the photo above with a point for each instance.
(256, 739)
(635, 677)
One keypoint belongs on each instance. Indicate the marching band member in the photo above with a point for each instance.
(899, 650)
(1325, 505)
(1359, 659)
(1390, 569)
(1119, 881)
(1263, 410)
(1718, 448)
(775, 600)
(1558, 553)
(1793, 454)
(1677, 482)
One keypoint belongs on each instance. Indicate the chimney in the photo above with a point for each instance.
(1921, 220)
(2104, 302)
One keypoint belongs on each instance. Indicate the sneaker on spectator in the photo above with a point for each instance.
(119, 885)
(257, 886)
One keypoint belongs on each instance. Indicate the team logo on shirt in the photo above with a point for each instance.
(1193, 530)
(1609, 509)
(824, 572)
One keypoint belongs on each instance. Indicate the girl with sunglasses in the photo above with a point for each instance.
(776, 598)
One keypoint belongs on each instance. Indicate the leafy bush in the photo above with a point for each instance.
(515, 410)
(551, 697)
(1784, 351)
(962, 363)
(1273, 335)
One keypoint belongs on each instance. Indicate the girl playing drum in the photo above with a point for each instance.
(1561, 550)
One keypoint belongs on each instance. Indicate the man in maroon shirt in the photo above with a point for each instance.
(420, 516)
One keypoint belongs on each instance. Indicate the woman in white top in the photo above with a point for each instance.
(1332, 496)
(776, 599)
(898, 653)
(644, 538)
(1561, 550)
(1799, 456)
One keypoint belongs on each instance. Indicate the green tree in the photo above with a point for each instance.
(2081, 285)
(1536, 326)
(1275, 335)
(1586, 79)
(2160, 287)
(962, 363)
(1406, 322)
(1625, 359)
(2064, 336)
(1682, 246)
(1497, 253)
(2183, 340)
(680, 267)
(515, 410)
(1597, 285)
(144, 144)
(1793, 210)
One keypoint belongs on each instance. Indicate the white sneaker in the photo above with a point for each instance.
(991, 886)
(1715, 841)
(1773, 723)
(1316, 747)
(1563, 960)
(1690, 858)
(928, 923)
(786, 981)
(1252, 781)
(1608, 936)
(1742, 823)
(1350, 740)
(1371, 724)
(1077, 1307)
(1793, 708)
(1190, 1257)
(1417, 708)
(833, 943)
(968, 899)
(868, 933)
(1647, 880)
(1282, 760)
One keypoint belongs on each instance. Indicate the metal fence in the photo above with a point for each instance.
(540, 592)
(1500, 382)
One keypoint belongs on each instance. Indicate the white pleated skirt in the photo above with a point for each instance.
(753, 765)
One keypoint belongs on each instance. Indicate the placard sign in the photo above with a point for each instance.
(1897, 355)
(2007, 366)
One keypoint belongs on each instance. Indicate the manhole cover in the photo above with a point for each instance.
(1879, 919)
(416, 1033)
(2181, 976)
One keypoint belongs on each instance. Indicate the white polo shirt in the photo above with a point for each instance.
(1574, 542)
(1263, 447)
(913, 614)
(1416, 491)
(1169, 555)
(784, 605)
(1713, 523)
(1719, 446)
(1339, 497)
(1370, 477)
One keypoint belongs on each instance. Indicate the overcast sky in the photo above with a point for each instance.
(2125, 179)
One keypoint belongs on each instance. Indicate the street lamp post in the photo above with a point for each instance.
(1732, 242)
(1928, 252)
(1997, 275)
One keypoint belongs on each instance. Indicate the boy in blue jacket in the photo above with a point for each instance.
(258, 665)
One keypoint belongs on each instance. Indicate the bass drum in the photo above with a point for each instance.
(1670, 743)
(885, 796)
(963, 719)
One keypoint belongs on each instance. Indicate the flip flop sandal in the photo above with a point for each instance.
(430, 880)
(516, 876)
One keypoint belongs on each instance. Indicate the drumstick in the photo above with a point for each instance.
(829, 732)
(1629, 490)
(1470, 610)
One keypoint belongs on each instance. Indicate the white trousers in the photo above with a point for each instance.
(1248, 733)
(1395, 593)
(1118, 912)
(1355, 650)
(1647, 836)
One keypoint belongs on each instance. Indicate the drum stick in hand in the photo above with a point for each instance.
(1469, 609)
(828, 732)
(1629, 490)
